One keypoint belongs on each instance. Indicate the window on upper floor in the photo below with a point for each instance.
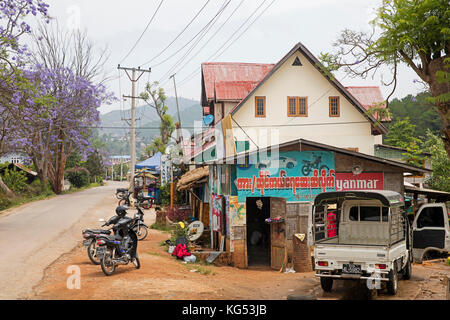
(334, 107)
(297, 106)
(260, 107)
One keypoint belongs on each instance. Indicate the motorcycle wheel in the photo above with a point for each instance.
(324, 167)
(108, 266)
(137, 263)
(91, 253)
(141, 232)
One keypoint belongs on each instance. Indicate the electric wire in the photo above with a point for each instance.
(210, 38)
(176, 38)
(206, 29)
(142, 34)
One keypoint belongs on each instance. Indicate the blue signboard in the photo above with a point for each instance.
(294, 175)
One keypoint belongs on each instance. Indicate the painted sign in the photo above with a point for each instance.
(363, 181)
(294, 175)
(216, 211)
(237, 212)
(165, 169)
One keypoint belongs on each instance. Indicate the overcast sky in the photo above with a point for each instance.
(118, 24)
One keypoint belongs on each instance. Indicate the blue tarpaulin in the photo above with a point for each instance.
(154, 163)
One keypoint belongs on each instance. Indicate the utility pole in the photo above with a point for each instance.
(133, 97)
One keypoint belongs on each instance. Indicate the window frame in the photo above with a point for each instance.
(297, 113)
(256, 107)
(330, 99)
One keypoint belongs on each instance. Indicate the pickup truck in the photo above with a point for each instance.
(361, 235)
(431, 230)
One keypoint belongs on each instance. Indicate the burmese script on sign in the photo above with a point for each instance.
(265, 182)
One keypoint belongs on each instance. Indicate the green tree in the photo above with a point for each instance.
(411, 32)
(401, 134)
(440, 179)
(156, 98)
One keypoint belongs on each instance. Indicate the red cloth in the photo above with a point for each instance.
(331, 224)
(181, 251)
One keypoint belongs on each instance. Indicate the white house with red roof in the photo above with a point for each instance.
(292, 99)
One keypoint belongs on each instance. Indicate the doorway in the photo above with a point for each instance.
(258, 232)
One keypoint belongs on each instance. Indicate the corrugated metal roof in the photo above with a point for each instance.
(234, 90)
(368, 96)
(228, 75)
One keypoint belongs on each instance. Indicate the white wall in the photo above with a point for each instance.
(303, 81)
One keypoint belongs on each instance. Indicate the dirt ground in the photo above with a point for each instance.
(162, 277)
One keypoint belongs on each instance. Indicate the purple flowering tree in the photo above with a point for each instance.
(13, 25)
(54, 116)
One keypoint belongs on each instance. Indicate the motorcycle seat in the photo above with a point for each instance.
(146, 198)
(112, 238)
(122, 190)
(98, 231)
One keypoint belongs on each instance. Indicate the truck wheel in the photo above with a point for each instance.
(326, 284)
(392, 285)
(407, 270)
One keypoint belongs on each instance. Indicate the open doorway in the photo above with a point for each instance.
(258, 231)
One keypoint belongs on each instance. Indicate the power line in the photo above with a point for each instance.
(213, 56)
(182, 31)
(145, 30)
(210, 38)
(206, 29)
(186, 44)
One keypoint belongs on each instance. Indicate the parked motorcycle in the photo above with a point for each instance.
(120, 248)
(90, 236)
(121, 193)
(139, 227)
(145, 202)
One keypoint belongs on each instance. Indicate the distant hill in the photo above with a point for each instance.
(190, 111)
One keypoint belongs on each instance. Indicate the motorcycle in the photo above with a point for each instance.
(119, 249)
(139, 227)
(145, 201)
(121, 193)
(90, 238)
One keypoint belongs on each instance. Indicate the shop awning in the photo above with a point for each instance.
(153, 163)
(440, 196)
(193, 178)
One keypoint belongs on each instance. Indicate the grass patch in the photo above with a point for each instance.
(160, 227)
(156, 254)
(201, 267)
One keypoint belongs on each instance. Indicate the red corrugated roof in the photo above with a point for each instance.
(229, 76)
(234, 90)
(368, 96)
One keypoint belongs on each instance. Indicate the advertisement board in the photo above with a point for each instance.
(294, 175)
(363, 181)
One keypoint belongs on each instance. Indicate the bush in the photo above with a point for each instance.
(5, 202)
(78, 177)
(15, 180)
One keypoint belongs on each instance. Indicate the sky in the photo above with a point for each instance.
(278, 25)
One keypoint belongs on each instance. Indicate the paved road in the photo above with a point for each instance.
(36, 234)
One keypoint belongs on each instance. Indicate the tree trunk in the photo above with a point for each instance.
(443, 107)
(5, 189)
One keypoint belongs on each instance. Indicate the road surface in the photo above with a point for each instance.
(36, 234)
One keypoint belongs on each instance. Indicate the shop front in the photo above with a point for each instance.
(267, 196)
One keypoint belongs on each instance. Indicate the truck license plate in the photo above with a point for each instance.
(351, 268)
